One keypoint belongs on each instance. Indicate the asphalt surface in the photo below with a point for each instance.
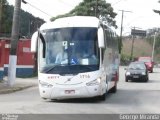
(131, 97)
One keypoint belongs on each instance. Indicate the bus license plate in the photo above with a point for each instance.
(69, 91)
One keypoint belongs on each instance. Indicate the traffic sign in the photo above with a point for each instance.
(136, 32)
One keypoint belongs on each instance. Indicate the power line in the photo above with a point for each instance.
(116, 2)
(65, 3)
(36, 8)
(133, 20)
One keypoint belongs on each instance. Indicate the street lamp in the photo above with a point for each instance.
(24, 1)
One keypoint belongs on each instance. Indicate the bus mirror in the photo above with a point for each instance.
(101, 38)
(34, 41)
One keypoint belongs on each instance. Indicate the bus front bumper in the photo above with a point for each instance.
(70, 91)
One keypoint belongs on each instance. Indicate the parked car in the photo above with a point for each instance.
(148, 61)
(136, 71)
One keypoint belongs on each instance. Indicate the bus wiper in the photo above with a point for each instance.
(91, 68)
(86, 66)
(51, 68)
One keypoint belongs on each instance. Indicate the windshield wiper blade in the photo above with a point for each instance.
(89, 67)
(51, 68)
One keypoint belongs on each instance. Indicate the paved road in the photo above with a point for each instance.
(131, 97)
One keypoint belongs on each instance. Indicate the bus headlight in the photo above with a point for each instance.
(44, 84)
(94, 82)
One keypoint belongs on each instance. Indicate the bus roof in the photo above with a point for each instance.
(74, 21)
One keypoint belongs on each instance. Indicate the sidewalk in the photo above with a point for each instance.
(20, 84)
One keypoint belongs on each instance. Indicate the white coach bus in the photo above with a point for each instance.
(77, 58)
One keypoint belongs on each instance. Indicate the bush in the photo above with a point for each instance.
(126, 59)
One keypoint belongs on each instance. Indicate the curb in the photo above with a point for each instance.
(14, 89)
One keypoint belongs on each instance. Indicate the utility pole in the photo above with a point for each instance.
(96, 8)
(120, 43)
(1, 6)
(131, 57)
(14, 41)
(153, 46)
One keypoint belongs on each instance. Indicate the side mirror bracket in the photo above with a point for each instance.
(34, 40)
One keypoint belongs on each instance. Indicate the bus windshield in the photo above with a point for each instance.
(69, 50)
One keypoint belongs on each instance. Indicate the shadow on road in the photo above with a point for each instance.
(93, 100)
(155, 72)
(78, 100)
(154, 81)
(128, 97)
(123, 97)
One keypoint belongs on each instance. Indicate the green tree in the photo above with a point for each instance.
(28, 23)
(157, 11)
(98, 8)
(3, 16)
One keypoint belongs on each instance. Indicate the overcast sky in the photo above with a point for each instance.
(141, 15)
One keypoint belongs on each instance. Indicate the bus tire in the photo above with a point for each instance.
(102, 97)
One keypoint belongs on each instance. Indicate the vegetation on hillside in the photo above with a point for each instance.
(28, 23)
(150, 40)
(142, 47)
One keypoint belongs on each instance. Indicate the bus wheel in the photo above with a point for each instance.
(103, 97)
